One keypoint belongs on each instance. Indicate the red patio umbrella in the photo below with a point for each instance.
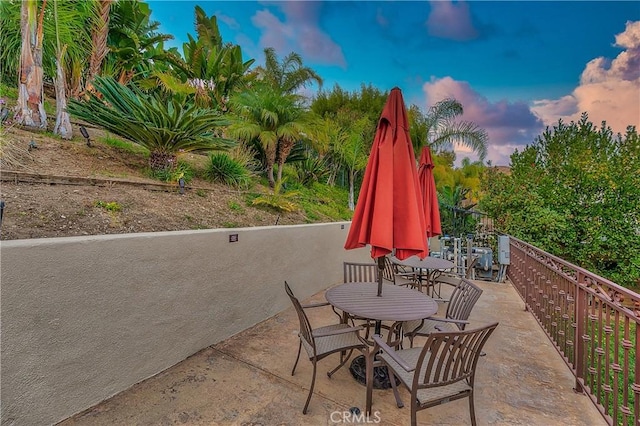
(429, 194)
(389, 214)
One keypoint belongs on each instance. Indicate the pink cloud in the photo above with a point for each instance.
(451, 21)
(510, 125)
(609, 90)
(298, 32)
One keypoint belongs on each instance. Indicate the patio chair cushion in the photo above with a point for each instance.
(330, 344)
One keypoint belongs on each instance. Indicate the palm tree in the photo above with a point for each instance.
(289, 75)
(439, 129)
(275, 119)
(165, 126)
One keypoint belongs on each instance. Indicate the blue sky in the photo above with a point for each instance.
(516, 66)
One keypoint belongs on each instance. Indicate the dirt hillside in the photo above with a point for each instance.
(59, 188)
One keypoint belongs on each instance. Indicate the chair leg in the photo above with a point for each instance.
(297, 358)
(392, 377)
(343, 361)
(313, 382)
(472, 410)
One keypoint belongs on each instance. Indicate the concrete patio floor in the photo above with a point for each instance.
(246, 380)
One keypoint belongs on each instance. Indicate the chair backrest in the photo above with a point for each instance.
(462, 300)
(360, 272)
(306, 333)
(389, 272)
(448, 357)
(472, 263)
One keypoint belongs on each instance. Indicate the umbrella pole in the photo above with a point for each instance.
(380, 274)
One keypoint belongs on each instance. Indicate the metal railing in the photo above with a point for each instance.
(592, 322)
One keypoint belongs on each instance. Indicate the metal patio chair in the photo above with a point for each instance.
(368, 272)
(323, 341)
(393, 275)
(360, 272)
(459, 306)
(442, 370)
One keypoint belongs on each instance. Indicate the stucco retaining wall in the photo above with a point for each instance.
(83, 318)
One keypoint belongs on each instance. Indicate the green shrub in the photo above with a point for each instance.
(277, 200)
(312, 170)
(222, 168)
(182, 170)
(111, 206)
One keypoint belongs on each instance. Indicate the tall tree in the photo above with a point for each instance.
(439, 128)
(30, 105)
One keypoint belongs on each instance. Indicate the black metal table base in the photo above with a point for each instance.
(358, 370)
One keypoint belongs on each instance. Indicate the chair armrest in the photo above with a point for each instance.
(315, 305)
(336, 332)
(451, 320)
(389, 350)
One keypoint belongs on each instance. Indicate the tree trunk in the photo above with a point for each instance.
(162, 161)
(352, 178)
(99, 47)
(270, 154)
(30, 107)
(63, 124)
(285, 148)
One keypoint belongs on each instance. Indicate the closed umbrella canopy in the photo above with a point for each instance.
(429, 194)
(389, 214)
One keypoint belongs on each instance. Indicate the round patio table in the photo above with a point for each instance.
(396, 303)
(433, 266)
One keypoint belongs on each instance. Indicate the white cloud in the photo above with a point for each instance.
(609, 90)
(451, 21)
(299, 32)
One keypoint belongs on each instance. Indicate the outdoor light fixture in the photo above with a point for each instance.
(181, 185)
(85, 135)
(1, 210)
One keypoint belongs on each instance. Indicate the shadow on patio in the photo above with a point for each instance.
(246, 380)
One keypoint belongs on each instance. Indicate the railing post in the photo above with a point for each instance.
(580, 316)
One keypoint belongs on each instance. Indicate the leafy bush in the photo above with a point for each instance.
(311, 170)
(222, 168)
(182, 170)
(277, 200)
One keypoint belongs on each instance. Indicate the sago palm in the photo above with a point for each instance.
(165, 126)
